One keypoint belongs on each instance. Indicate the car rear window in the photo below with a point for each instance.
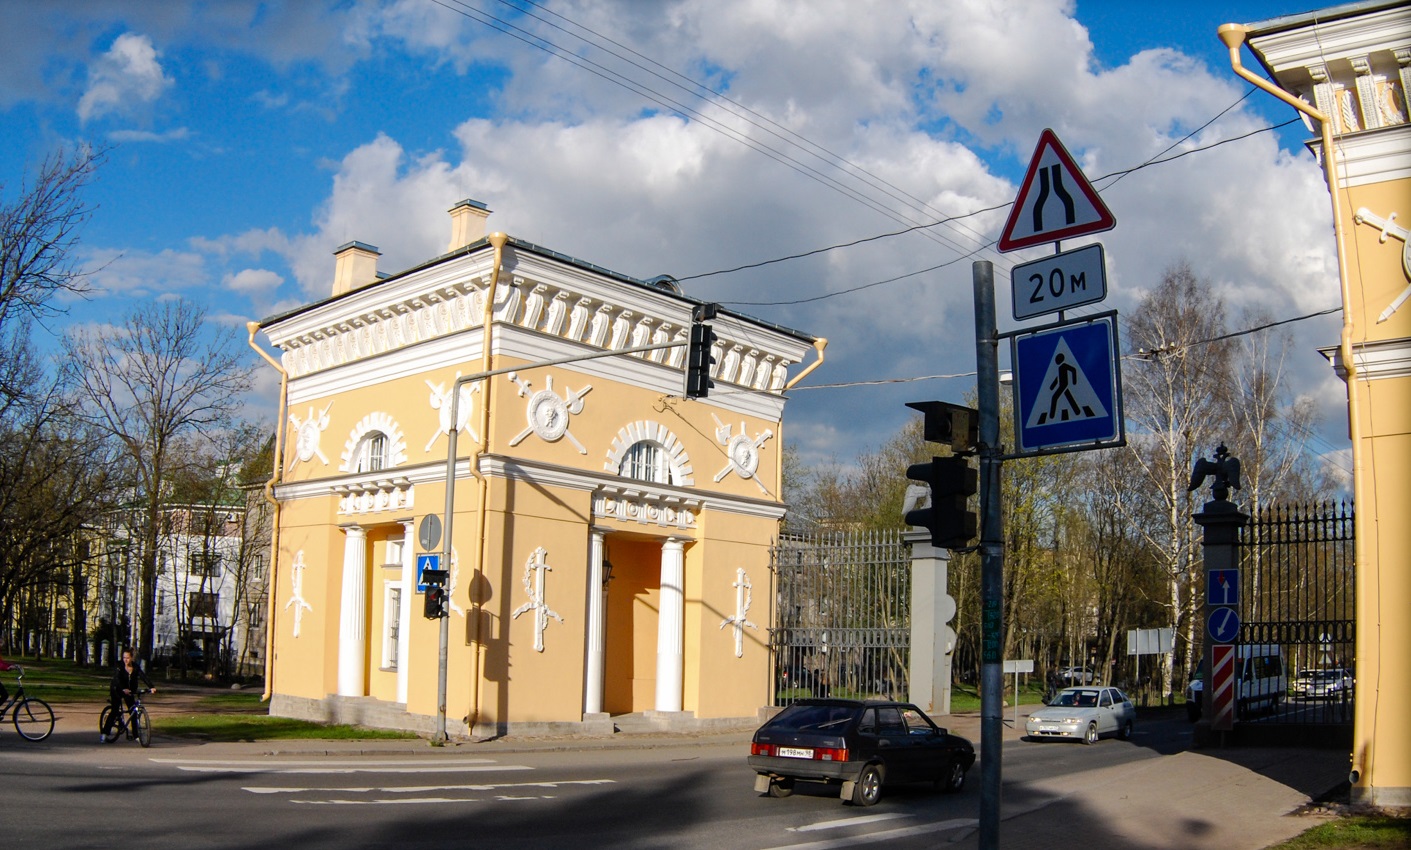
(806, 718)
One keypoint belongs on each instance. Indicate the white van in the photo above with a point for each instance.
(1262, 677)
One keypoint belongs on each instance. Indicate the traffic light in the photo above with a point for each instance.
(952, 482)
(434, 602)
(698, 360)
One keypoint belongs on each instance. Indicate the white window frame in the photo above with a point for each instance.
(372, 452)
(392, 601)
(646, 460)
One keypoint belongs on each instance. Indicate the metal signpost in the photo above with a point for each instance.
(1067, 383)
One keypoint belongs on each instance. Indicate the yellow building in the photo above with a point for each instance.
(1348, 71)
(610, 538)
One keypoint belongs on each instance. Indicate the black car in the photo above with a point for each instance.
(857, 745)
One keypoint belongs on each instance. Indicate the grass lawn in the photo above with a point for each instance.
(258, 727)
(1357, 832)
(222, 714)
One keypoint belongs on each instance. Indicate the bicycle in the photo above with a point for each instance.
(33, 718)
(137, 724)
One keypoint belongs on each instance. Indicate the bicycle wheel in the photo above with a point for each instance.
(142, 725)
(34, 719)
(115, 730)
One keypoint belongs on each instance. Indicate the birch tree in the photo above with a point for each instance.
(160, 375)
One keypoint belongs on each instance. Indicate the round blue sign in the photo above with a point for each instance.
(1223, 625)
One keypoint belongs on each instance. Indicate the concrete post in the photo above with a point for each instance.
(932, 638)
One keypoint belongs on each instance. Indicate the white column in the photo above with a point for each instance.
(593, 669)
(352, 615)
(670, 622)
(404, 619)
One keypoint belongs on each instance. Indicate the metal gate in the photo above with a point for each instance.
(843, 615)
(1297, 567)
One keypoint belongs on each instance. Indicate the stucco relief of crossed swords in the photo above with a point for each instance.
(1389, 227)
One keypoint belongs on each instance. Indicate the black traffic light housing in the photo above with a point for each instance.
(952, 481)
(955, 425)
(434, 602)
(698, 356)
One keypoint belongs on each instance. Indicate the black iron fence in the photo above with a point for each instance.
(1296, 564)
(843, 621)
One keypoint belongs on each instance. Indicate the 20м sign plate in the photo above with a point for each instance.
(1067, 387)
(1060, 282)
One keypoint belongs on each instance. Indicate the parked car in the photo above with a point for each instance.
(1076, 675)
(1330, 683)
(858, 745)
(1083, 714)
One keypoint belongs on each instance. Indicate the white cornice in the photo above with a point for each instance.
(1325, 41)
(1371, 156)
(497, 466)
(1375, 360)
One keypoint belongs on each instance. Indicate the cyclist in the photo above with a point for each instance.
(125, 682)
(5, 667)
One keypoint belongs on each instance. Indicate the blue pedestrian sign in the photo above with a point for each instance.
(1223, 625)
(1067, 387)
(425, 562)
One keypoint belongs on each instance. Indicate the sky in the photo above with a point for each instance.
(246, 140)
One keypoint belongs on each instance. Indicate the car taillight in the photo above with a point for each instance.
(830, 754)
(757, 749)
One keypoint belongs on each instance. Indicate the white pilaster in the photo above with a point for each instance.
(352, 615)
(670, 623)
(593, 671)
(404, 618)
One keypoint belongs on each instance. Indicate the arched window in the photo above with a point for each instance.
(372, 452)
(645, 461)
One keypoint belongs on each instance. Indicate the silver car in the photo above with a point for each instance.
(1084, 714)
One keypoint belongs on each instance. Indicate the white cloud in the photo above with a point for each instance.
(139, 274)
(125, 78)
(253, 282)
(175, 135)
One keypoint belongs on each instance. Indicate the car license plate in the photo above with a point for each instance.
(795, 753)
(1048, 728)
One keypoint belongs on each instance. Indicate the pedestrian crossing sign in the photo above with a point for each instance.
(1067, 388)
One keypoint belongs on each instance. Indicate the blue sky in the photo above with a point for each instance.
(248, 139)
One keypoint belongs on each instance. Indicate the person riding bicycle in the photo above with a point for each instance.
(5, 667)
(123, 690)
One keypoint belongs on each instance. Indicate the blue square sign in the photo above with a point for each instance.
(1066, 385)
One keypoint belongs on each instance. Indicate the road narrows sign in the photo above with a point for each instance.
(1055, 201)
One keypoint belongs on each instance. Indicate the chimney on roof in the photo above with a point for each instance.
(467, 223)
(354, 265)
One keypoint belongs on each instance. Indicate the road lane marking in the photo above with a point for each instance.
(321, 762)
(885, 835)
(347, 770)
(846, 822)
(422, 789)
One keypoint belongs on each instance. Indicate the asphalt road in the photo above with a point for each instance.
(70, 792)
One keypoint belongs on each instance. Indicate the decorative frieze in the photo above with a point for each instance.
(542, 306)
(645, 508)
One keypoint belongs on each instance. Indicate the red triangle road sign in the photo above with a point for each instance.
(1054, 202)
